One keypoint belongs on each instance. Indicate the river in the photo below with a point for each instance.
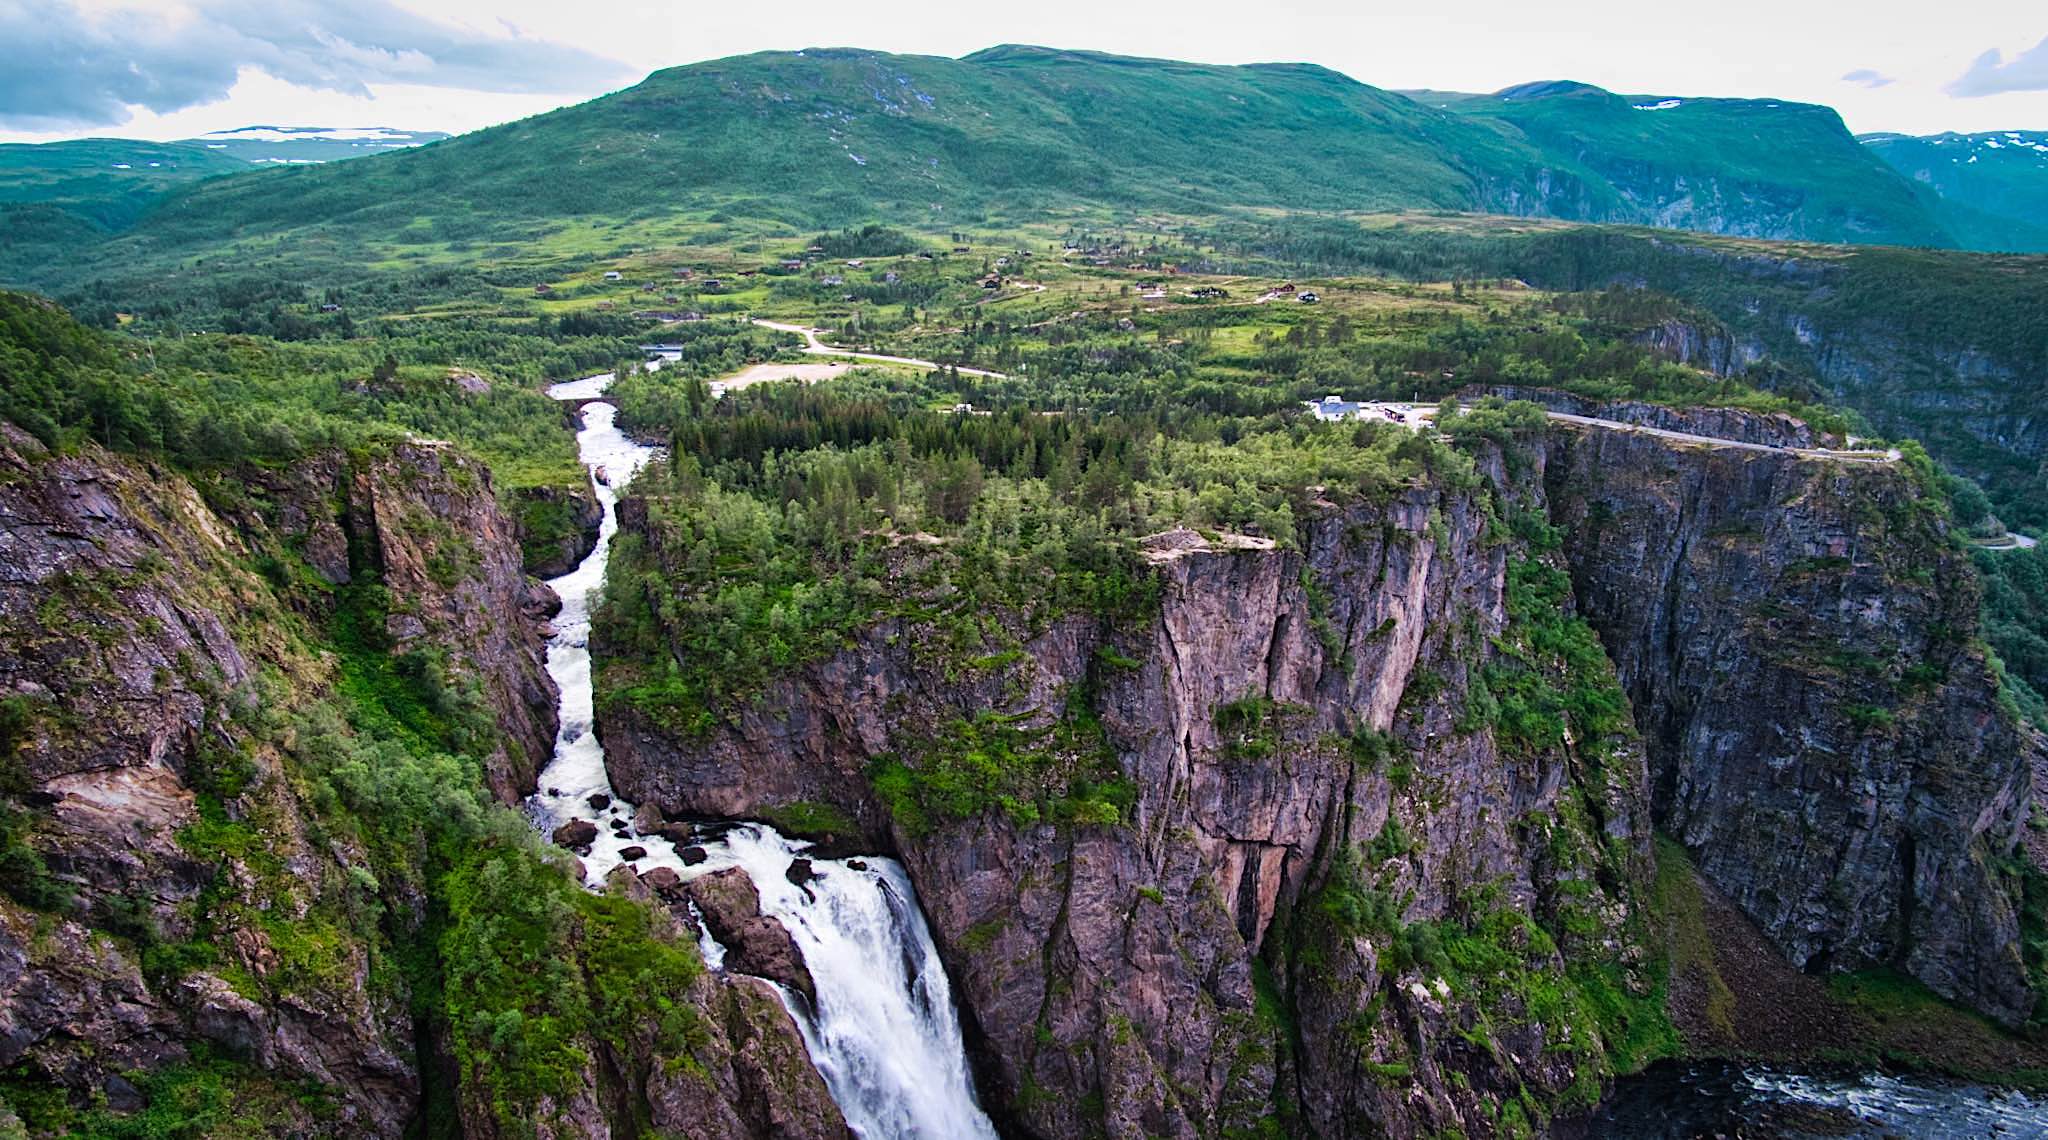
(1683, 1100)
(884, 1034)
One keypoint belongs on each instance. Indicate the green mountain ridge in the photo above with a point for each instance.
(109, 182)
(826, 137)
(1992, 185)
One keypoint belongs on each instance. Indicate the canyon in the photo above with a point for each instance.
(1312, 843)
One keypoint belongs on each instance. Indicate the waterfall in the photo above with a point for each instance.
(884, 1033)
(885, 1036)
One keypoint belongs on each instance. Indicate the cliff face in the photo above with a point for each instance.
(182, 670)
(557, 526)
(1280, 708)
(416, 537)
(1895, 339)
(137, 645)
(1357, 884)
(1797, 640)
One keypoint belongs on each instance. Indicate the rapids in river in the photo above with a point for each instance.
(1677, 1100)
(884, 1033)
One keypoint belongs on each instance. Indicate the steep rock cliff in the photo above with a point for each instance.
(1357, 885)
(206, 683)
(139, 648)
(1798, 640)
(1307, 788)
(416, 538)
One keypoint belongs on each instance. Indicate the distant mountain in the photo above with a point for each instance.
(301, 145)
(1749, 167)
(1993, 186)
(108, 182)
(797, 140)
(59, 197)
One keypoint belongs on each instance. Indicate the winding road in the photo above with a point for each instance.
(816, 347)
(1848, 456)
(1416, 415)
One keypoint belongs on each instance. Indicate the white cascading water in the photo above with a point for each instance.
(884, 1035)
(885, 1038)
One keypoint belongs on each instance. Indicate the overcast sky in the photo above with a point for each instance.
(73, 68)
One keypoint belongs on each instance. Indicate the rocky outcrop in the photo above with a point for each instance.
(420, 526)
(557, 526)
(1824, 735)
(751, 1078)
(754, 943)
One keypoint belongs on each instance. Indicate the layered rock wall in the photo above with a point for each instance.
(1795, 636)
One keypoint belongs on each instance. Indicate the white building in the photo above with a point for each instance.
(1332, 408)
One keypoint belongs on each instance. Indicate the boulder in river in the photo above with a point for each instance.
(631, 854)
(598, 801)
(754, 943)
(693, 856)
(662, 880)
(577, 833)
(647, 820)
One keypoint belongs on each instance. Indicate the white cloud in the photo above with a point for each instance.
(1993, 74)
(65, 66)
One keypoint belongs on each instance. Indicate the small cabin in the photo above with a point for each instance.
(612, 275)
(1309, 297)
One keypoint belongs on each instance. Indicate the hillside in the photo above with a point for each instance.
(1748, 167)
(783, 141)
(1993, 186)
(58, 198)
(109, 182)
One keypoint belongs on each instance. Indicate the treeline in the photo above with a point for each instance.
(866, 241)
(790, 518)
(219, 400)
(2016, 621)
